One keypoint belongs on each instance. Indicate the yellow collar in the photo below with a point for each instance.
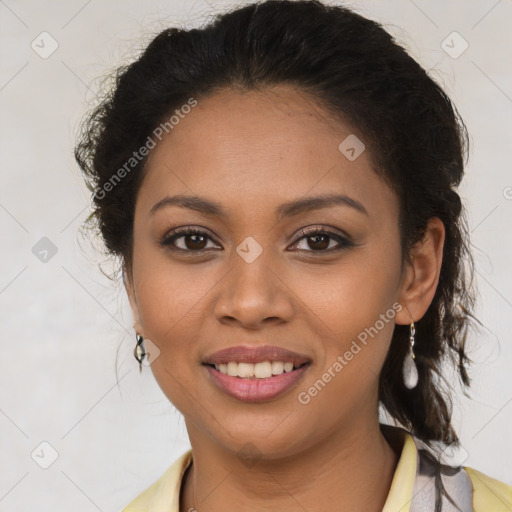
(401, 490)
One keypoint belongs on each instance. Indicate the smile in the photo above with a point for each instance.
(256, 382)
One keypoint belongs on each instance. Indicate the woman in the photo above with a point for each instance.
(280, 188)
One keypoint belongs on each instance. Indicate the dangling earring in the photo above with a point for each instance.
(409, 369)
(139, 351)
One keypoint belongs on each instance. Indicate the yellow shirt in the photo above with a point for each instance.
(489, 495)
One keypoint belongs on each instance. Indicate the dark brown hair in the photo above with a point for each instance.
(356, 70)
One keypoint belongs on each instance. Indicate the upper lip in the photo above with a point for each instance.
(248, 354)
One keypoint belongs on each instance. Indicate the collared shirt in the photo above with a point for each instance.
(412, 488)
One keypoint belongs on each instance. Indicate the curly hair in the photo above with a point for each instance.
(353, 68)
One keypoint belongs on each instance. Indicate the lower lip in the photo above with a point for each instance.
(256, 390)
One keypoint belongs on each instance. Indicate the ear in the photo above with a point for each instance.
(132, 297)
(421, 274)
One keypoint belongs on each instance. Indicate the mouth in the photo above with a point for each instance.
(256, 374)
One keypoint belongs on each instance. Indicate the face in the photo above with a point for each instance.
(259, 274)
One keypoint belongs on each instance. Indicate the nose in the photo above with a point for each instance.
(253, 294)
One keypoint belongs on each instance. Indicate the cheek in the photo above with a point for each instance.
(344, 299)
(350, 308)
(169, 294)
(171, 302)
(354, 336)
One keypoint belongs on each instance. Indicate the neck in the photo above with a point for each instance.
(352, 469)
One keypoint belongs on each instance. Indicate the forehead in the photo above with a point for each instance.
(251, 149)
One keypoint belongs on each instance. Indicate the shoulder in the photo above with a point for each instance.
(489, 493)
(162, 495)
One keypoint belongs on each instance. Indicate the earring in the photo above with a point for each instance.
(409, 370)
(139, 352)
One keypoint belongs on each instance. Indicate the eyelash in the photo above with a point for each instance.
(344, 243)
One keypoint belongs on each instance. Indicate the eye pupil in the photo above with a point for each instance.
(323, 245)
(195, 240)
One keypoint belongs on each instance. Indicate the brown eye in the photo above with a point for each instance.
(195, 242)
(319, 241)
(190, 240)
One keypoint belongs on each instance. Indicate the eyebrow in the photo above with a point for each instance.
(289, 209)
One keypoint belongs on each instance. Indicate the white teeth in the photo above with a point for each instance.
(262, 370)
(232, 369)
(245, 370)
(288, 367)
(277, 367)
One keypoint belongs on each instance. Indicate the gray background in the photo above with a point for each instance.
(62, 322)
